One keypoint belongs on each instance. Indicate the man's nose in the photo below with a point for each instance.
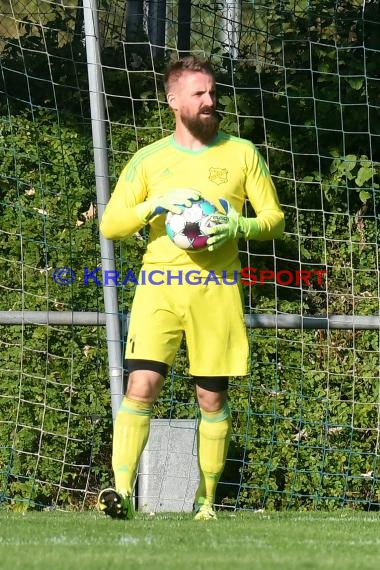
(209, 100)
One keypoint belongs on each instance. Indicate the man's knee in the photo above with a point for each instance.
(211, 392)
(143, 379)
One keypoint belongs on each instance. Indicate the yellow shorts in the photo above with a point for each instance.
(209, 315)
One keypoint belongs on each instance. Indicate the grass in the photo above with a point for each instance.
(263, 541)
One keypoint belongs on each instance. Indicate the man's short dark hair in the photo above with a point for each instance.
(188, 63)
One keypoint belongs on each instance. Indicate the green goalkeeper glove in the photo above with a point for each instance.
(174, 202)
(230, 225)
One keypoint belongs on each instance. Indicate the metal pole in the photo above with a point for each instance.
(135, 20)
(184, 27)
(115, 361)
(157, 26)
(259, 321)
(231, 24)
(303, 322)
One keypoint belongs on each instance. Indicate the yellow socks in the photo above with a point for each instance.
(214, 434)
(131, 432)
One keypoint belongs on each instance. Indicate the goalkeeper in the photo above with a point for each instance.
(196, 160)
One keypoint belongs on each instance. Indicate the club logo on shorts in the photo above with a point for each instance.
(218, 175)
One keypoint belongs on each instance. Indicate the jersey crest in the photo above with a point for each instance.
(218, 175)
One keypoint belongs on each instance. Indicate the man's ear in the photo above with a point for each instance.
(171, 98)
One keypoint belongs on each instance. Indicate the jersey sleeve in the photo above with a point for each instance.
(120, 219)
(262, 194)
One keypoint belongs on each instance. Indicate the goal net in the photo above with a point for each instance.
(301, 80)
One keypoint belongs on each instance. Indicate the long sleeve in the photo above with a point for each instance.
(120, 219)
(262, 194)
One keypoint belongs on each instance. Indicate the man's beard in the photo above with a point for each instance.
(203, 128)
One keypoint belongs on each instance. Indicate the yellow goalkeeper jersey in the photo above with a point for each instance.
(230, 168)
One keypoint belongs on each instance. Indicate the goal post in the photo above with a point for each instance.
(99, 138)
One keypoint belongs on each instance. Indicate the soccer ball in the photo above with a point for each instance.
(188, 229)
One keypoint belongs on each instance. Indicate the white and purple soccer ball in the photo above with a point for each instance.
(187, 230)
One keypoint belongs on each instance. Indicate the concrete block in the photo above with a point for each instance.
(168, 473)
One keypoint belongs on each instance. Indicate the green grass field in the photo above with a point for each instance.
(287, 541)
